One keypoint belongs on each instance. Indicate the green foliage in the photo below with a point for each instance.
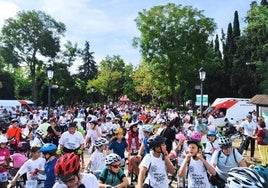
(174, 43)
(29, 36)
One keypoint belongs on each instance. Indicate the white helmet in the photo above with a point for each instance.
(101, 141)
(241, 177)
(40, 132)
(111, 158)
(3, 139)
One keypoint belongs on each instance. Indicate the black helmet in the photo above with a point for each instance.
(156, 141)
(225, 142)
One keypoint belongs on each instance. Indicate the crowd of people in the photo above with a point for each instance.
(142, 142)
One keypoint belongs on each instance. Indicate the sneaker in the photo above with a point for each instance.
(252, 159)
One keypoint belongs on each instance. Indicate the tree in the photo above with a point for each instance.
(109, 81)
(174, 41)
(31, 35)
(88, 70)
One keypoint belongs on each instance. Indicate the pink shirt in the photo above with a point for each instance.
(4, 155)
(18, 159)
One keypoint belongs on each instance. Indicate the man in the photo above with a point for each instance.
(225, 159)
(250, 129)
(13, 134)
(71, 141)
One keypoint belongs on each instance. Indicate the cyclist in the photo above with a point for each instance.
(67, 169)
(194, 166)
(34, 167)
(157, 163)
(143, 150)
(38, 139)
(112, 175)
(71, 141)
(49, 153)
(225, 159)
(97, 159)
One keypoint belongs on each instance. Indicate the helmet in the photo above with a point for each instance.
(101, 141)
(224, 142)
(3, 139)
(180, 136)
(156, 141)
(241, 177)
(48, 148)
(23, 146)
(196, 136)
(67, 165)
(212, 133)
(111, 158)
(147, 128)
(262, 171)
(40, 132)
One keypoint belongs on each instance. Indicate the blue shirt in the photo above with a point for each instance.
(118, 147)
(49, 172)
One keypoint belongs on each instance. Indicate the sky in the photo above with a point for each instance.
(109, 25)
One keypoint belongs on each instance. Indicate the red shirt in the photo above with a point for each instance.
(260, 135)
(14, 131)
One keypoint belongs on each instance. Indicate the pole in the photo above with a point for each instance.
(49, 100)
(201, 103)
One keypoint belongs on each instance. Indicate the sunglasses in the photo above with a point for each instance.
(115, 166)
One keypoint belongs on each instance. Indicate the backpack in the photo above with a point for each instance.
(233, 154)
(265, 138)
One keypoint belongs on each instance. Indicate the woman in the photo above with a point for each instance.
(133, 143)
(262, 146)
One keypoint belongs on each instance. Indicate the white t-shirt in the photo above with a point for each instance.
(71, 141)
(97, 160)
(92, 134)
(30, 165)
(197, 174)
(157, 174)
(249, 127)
(226, 162)
(210, 149)
(89, 180)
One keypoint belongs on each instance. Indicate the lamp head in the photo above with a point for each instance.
(50, 72)
(202, 74)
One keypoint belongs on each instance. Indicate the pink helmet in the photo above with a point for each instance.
(196, 136)
(180, 136)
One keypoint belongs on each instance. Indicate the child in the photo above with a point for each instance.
(118, 145)
(97, 159)
(34, 167)
(112, 175)
(49, 153)
(157, 163)
(212, 145)
(67, 170)
(38, 139)
(4, 161)
(19, 158)
(194, 166)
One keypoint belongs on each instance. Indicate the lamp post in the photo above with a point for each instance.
(50, 74)
(202, 76)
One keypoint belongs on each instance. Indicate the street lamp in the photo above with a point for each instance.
(202, 76)
(50, 74)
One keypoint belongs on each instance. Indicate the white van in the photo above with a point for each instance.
(235, 109)
(22, 105)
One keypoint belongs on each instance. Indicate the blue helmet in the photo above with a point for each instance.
(212, 133)
(48, 148)
(262, 171)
